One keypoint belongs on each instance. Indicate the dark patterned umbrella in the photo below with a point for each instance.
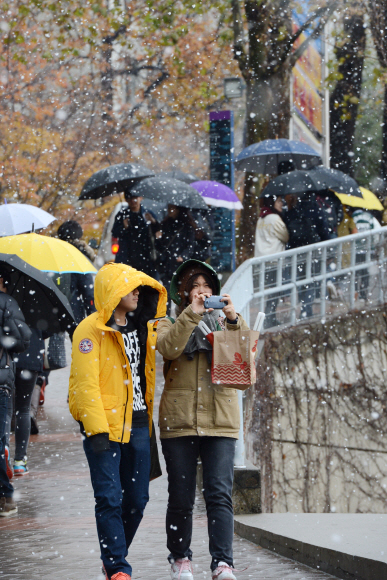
(180, 175)
(314, 180)
(42, 303)
(169, 191)
(114, 179)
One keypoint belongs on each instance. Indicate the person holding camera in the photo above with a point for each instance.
(137, 231)
(197, 419)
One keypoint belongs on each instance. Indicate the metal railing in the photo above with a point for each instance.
(310, 283)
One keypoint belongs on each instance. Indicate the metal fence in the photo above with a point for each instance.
(309, 284)
(312, 282)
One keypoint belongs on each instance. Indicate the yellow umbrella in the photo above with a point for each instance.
(46, 254)
(369, 200)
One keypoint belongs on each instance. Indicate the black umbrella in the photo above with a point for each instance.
(180, 175)
(314, 180)
(114, 179)
(325, 178)
(42, 303)
(169, 191)
(265, 156)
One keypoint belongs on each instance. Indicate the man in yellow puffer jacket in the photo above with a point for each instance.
(111, 394)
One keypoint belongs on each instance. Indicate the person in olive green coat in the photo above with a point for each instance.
(197, 419)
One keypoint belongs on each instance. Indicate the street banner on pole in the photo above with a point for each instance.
(222, 170)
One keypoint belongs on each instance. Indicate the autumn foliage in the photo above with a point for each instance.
(87, 85)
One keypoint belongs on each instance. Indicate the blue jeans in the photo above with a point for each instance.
(181, 458)
(6, 488)
(120, 479)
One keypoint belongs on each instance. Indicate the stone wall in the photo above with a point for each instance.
(316, 421)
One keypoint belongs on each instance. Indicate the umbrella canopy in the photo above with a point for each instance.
(217, 194)
(180, 175)
(314, 180)
(368, 201)
(47, 254)
(18, 218)
(42, 303)
(114, 179)
(265, 156)
(325, 178)
(169, 191)
(296, 182)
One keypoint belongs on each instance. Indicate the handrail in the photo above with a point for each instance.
(309, 283)
(298, 277)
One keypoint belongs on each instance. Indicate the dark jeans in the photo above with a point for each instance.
(6, 488)
(120, 479)
(24, 386)
(181, 457)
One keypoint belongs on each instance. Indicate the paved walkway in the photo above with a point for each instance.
(54, 534)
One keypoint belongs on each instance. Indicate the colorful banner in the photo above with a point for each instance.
(307, 81)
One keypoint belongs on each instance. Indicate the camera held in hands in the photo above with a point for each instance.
(215, 302)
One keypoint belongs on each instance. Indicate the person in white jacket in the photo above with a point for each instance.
(271, 236)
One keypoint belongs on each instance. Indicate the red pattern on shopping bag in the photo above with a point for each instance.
(254, 349)
(232, 374)
(238, 360)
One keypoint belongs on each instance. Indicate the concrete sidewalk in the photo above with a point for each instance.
(54, 534)
(350, 546)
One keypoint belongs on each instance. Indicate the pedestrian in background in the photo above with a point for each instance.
(306, 223)
(28, 365)
(176, 244)
(136, 230)
(364, 222)
(271, 236)
(14, 338)
(111, 395)
(79, 288)
(197, 419)
(333, 210)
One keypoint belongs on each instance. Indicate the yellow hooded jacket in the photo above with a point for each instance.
(100, 391)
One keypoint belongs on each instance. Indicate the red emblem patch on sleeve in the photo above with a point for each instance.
(86, 345)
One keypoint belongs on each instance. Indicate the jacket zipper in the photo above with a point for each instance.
(127, 392)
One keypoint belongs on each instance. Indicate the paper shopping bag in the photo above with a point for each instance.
(233, 358)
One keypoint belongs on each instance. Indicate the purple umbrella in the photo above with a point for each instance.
(217, 194)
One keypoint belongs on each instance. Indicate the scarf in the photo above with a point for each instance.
(197, 342)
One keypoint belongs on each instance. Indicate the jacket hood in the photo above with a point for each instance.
(114, 281)
(185, 271)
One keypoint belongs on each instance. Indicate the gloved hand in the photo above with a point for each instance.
(99, 442)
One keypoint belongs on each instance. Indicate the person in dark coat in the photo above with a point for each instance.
(14, 338)
(136, 230)
(79, 289)
(29, 364)
(176, 244)
(306, 221)
(307, 224)
(333, 210)
(199, 221)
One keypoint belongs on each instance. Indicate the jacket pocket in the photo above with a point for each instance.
(226, 408)
(176, 410)
(109, 401)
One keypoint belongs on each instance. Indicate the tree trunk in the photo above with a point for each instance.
(344, 100)
(268, 117)
(383, 168)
